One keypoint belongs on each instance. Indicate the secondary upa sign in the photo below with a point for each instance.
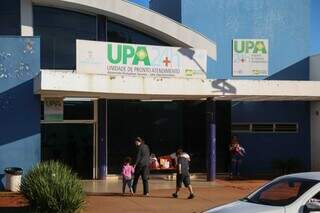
(140, 60)
(53, 109)
(250, 57)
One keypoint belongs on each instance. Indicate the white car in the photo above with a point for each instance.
(295, 193)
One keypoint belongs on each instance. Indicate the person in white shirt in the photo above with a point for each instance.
(184, 155)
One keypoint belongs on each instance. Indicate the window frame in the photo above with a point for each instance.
(51, 64)
(274, 130)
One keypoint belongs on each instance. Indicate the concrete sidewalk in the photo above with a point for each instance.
(114, 185)
(107, 197)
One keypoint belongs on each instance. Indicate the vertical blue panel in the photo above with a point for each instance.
(102, 139)
(211, 139)
(315, 27)
(19, 107)
(102, 113)
(211, 149)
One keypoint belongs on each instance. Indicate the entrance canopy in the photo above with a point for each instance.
(51, 83)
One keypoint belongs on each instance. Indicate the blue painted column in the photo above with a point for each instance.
(211, 139)
(102, 112)
(102, 139)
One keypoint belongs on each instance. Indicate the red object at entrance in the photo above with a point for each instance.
(165, 163)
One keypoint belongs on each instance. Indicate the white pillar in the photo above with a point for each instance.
(26, 17)
(315, 116)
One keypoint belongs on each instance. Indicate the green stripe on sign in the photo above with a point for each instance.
(53, 117)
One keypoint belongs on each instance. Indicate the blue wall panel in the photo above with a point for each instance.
(284, 22)
(265, 148)
(297, 71)
(19, 107)
(169, 8)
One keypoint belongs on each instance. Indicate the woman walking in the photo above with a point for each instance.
(142, 166)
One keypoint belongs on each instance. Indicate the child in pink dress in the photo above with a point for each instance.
(127, 174)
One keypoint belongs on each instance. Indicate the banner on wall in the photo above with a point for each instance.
(250, 57)
(140, 60)
(53, 109)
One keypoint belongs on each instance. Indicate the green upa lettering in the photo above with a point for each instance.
(125, 52)
(260, 47)
(238, 49)
(141, 55)
(118, 59)
(128, 52)
(249, 46)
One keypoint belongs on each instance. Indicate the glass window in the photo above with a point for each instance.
(282, 192)
(123, 34)
(241, 127)
(10, 17)
(78, 110)
(265, 128)
(262, 127)
(75, 110)
(317, 196)
(286, 127)
(59, 30)
(71, 144)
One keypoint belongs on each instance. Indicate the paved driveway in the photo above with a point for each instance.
(160, 200)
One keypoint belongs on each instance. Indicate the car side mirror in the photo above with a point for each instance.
(313, 205)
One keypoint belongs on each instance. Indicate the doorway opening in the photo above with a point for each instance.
(71, 144)
(72, 141)
(165, 126)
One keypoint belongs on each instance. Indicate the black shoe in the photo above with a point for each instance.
(191, 196)
(175, 195)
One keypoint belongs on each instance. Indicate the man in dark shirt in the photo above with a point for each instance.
(141, 166)
(183, 175)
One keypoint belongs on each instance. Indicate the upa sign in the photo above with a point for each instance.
(53, 109)
(140, 60)
(250, 57)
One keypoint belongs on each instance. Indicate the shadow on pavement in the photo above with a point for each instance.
(114, 194)
(15, 209)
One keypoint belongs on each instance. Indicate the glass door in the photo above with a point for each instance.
(71, 144)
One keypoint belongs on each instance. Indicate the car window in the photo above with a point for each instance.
(317, 196)
(282, 192)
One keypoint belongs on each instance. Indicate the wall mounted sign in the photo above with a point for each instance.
(53, 109)
(140, 60)
(250, 57)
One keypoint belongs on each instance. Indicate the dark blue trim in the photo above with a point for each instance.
(102, 140)
(211, 140)
(102, 25)
(102, 113)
